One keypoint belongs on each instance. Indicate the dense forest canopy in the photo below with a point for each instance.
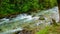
(21, 6)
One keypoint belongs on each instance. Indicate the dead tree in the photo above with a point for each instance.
(54, 22)
(58, 1)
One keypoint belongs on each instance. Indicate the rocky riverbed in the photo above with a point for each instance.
(41, 18)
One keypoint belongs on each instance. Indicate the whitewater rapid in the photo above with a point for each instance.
(25, 18)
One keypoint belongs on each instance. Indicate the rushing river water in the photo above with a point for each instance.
(8, 26)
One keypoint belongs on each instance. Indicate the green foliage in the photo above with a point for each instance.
(43, 31)
(13, 6)
(50, 30)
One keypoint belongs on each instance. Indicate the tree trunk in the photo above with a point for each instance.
(58, 1)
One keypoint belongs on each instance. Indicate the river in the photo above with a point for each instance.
(8, 26)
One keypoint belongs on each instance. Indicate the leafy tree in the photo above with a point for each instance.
(21, 6)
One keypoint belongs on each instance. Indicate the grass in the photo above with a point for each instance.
(43, 31)
(50, 30)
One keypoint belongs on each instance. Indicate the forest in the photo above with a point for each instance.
(11, 7)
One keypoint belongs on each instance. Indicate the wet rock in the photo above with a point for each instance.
(18, 32)
(41, 17)
(0, 30)
(29, 13)
(33, 16)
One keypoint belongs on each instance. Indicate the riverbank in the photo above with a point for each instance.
(52, 29)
